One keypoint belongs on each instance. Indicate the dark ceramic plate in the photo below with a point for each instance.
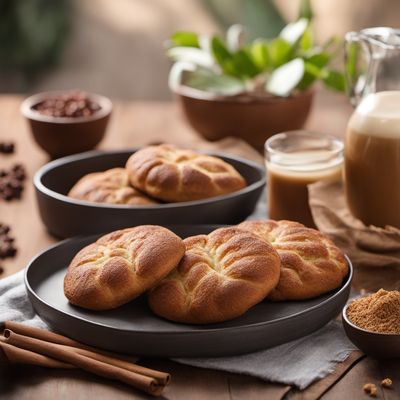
(134, 329)
(66, 217)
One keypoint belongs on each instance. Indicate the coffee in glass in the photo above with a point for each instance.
(294, 160)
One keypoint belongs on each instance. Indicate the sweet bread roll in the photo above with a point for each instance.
(172, 174)
(111, 186)
(220, 277)
(121, 265)
(311, 264)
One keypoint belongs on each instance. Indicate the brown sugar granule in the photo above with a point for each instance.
(387, 383)
(370, 389)
(378, 312)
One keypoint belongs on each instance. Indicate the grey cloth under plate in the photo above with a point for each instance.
(297, 363)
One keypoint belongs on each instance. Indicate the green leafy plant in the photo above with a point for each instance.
(279, 66)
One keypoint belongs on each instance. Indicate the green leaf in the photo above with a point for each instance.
(280, 51)
(311, 73)
(219, 84)
(334, 80)
(223, 56)
(186, 39)
(260, 54)
(307, 41)
(319, 59)
(285, 78)
(312, 69)
(219, 50)
(244, 64)
(306, 10)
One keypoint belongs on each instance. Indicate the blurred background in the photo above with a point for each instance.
(116, 47)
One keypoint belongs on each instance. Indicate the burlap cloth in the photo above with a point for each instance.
(369, 247)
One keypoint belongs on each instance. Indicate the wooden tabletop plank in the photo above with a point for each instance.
(368, 370)
(246, 387)
(32, 383)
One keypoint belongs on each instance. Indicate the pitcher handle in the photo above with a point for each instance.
(356, 74)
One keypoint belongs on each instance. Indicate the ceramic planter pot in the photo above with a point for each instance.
(251, 118)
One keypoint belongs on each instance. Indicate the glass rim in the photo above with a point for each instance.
(305, 133)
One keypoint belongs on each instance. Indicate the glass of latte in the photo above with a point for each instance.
(293, 161)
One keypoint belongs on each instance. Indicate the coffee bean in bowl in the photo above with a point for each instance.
(72, 104)
(67, 122)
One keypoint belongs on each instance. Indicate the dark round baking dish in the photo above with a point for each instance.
(65, 217)
(134, 329)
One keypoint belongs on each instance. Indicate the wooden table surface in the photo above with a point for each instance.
(132, 125)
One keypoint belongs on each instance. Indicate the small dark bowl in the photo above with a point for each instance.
(378, 345)
(62, 136)
(65, 217)
(251, 118)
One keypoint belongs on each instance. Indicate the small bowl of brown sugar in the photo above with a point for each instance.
(372, 323)
(67, 122)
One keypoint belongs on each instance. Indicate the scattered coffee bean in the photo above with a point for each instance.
(7, 242)
(7, 147)
(1, 270)
(4, 229)
(12, 182)
(70, 104)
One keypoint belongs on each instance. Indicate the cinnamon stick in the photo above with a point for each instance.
(70, 356)
(45, 335)
(161, 377)
(109, 358)
(15, 355)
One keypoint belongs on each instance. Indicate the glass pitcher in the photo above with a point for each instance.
(372, 148)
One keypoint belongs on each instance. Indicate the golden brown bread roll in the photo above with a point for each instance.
(311, 264)
(169, 173)
(220, 277)
(111, 186)
(121, 265)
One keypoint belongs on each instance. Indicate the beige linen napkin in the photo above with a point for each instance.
(367, 246)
